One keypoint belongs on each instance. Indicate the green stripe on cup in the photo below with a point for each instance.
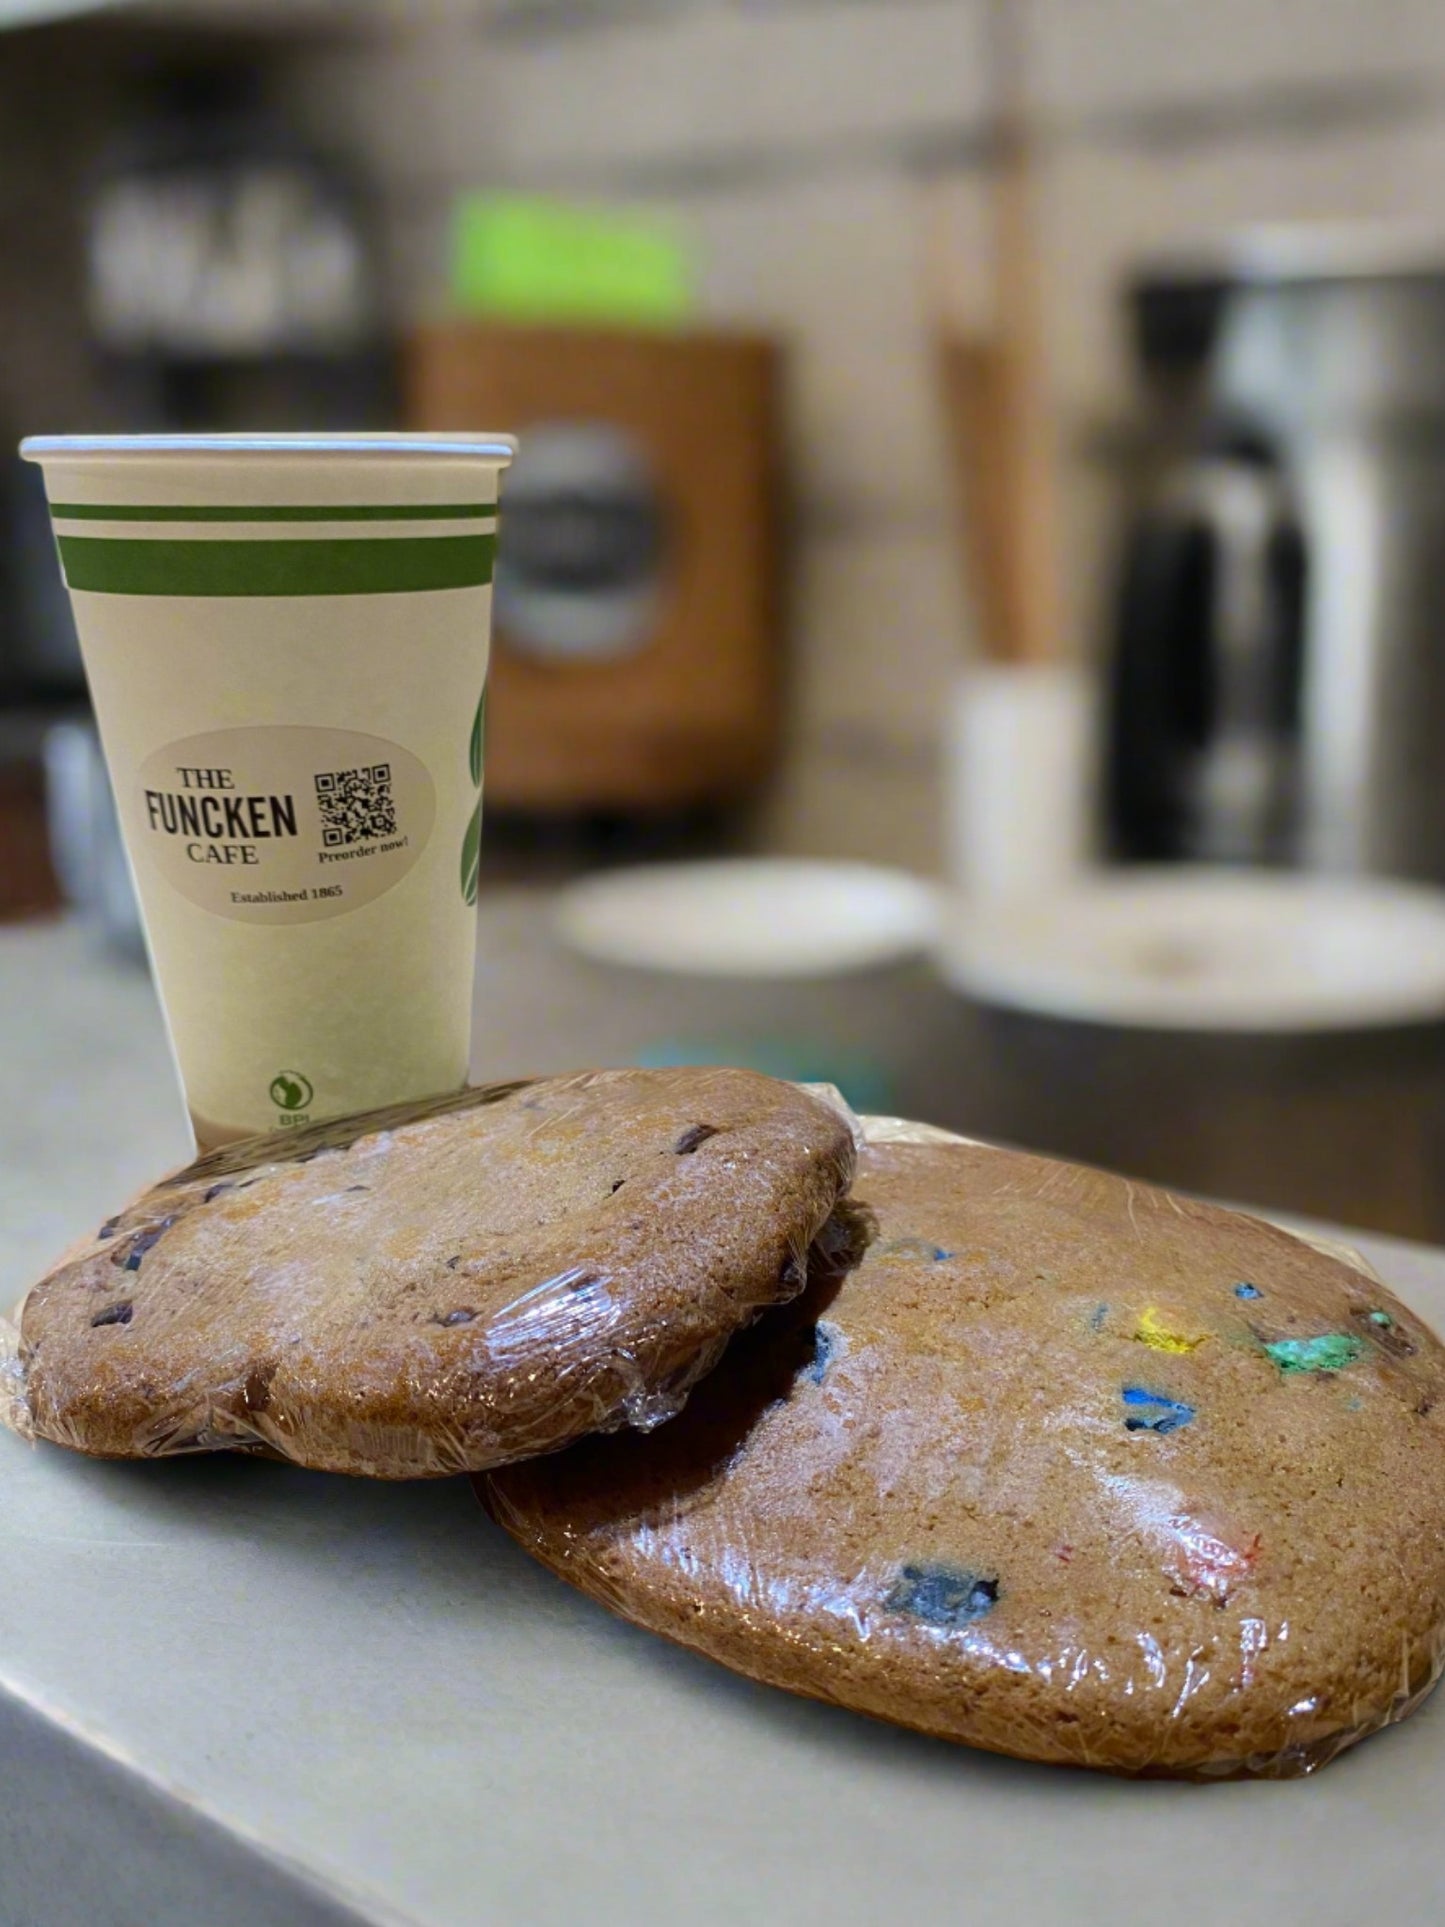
(286, 512)
(343, 565)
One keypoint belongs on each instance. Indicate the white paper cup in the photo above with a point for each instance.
(1019, 765)
(286, 640)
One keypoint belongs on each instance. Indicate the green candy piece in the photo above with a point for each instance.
(1331, 1352)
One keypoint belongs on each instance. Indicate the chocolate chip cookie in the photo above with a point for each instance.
(444, 1286)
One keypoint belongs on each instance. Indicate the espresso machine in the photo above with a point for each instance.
(1277, 647)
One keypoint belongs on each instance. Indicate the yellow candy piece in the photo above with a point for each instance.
(1152, 1331)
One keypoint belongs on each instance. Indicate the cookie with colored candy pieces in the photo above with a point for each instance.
(1067, 1468)
(442, 1286)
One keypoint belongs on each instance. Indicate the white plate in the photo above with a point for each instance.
(1210, 950)
(750, 917)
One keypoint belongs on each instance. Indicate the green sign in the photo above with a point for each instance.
(523, 258)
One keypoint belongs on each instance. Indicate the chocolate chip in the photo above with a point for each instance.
(226, 1184)
(618, 1186)
(258, 1388)
(118, 1314)
(358, 1187)
(694, 1135)
(463, 1316)
(452, 1263)
(109, 1228)
(139, 1246)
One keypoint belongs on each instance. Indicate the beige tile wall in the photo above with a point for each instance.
(730, 81)
(825, 155)
(1162, 55)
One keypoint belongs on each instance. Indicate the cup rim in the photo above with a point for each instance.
(487, 446)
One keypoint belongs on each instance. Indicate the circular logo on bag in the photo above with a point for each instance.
(581, 563)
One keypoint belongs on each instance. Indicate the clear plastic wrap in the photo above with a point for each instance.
(437, 1287)
(1067, 1468)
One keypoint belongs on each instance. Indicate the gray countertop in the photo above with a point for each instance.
(232, 1691)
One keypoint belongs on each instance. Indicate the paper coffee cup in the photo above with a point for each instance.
(286, 641)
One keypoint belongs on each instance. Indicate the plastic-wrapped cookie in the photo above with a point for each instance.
(1068, 1468)
(444, 1286)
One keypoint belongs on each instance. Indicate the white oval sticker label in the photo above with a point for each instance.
(281, 823)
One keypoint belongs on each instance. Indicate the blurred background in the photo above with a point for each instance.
(983, 484)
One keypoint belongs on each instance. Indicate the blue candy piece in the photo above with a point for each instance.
(1154, 1412)
(943, 1595)
(912, 1248)
(1248, 1291)
(825, 1345)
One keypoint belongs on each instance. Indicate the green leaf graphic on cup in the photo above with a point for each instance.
(471, 855)
(472, 841)
(478, 730)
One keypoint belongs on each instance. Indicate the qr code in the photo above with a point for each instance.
(355, 804)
